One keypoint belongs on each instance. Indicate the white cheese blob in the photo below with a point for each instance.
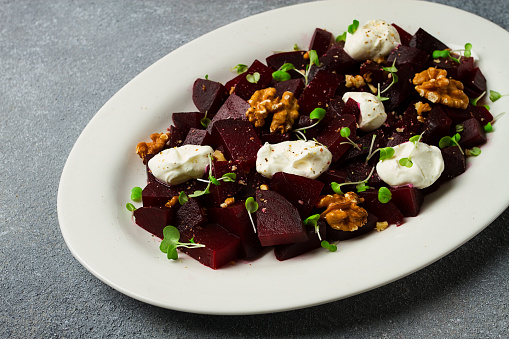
(373, 41)
(372, 110)
(180, 164)
(427, 166)
(305, 158)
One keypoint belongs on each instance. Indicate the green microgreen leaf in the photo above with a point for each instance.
(296, 47)
(206, 77)
(170, 242)
(444, 54)
(341, 37)
(130, 207)
(386, 153)
(281, 76)
(205, 122)
(384, 195)
(447, 141)
(468, 50)
(136, 193)
(475, 100)
(362, 187)
(345, 132)
(199, 193)
(456, 137)
(406, 162)
(313, 58)
(317, 113)
(353, 27)
(494, 95)
(473, 152)
(415, 138)
(240, 68)
(251, 207)
(214, 180)
(488, 127)
(253, 78)
(313, 221)
(183, 198)
(459, 128)
(331, 247)
(394, 78)
(336, 187)
(229, 177)
(287, 67)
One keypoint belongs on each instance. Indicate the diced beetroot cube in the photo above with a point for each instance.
(218, 194)
(252, 183)
(154, 219)
(374, 71)
(330, 176)
(396, 139)
(335, 61)
(277, 220)
(408, 125)
(274, 138)
(402, 91)
(185, 121)
(190, 215)
(288, 251)
(318, 92)
(449, 65)
(358, 171)
(332, 138)
(296, 58)
(404, 55)
(352, 107)
(473, 134)
(408, 199)
(177, 137)
(454, 162)
(234, 108)
(475, 83)
(426, 42)
(296, 86)
(230, 85)
(385, 212)
(436, 126)
(197, 136)
(336, 235)
(156, 194)
(404, 36)
(321, 41)
(208, 96)
(458, 115)
(364, 143)
(246, 89)
(301, 192)
(221, 247)
(240, 141)
(235, 220)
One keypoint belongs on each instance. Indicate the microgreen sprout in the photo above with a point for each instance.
(331, 247)
(494, 95)
(251, 207)
(394, 77)
(385, 153)
(468, 50)
(240, 68)
(183, 198)
(459, 128)
(316, 114)
(341, 37)
(337, 187)
(206, 77)
(130, 207)
(488, 127)
(353, 27)
(205, 121)
(313, 60)
(444, 54)
(406, 162)
(450, 141)
(378, 94)
(475, 100)
(313, 221)
(384, 195)
(228, 177)
(473, 152)
(136, 193)
(171, 242)
(253, 78)
(362, 187)
(296, 47)
(282, 73)
(345, 133)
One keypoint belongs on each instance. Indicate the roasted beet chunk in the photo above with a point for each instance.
(296, 86)
(301, 192)
(221, 247)
(187, 120)
(385, 212)
(473, 134)
(154, 219)
(436, 126)
(235, 219)
(277, 220)
(218, 194)
(408, 199)
(234, 108)
(318, 92)
(208, 96)
(245, 88)
(296, 58)
(454, 163)
(426, 42)
(197, 136)
(332, 138)
(239, 139)
(404, 36)
(288, 251)
(404, 55)
(190, 215)
(321, 41)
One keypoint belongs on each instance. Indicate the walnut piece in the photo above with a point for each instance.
(434, 85)
(218, 155)
(342, 212)
(264, 102)
(354, 81)
(158, 141)
(227, 202)
(172, 202)
(381, 225)
(421, 107)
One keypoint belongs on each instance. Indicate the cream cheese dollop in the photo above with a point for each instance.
(180, 164)
(427, 167)
(305, 158)
(372, 110)
(373, 41)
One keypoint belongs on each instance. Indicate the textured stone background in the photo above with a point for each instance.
(60, 61)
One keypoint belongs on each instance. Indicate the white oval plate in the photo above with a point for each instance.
(96, 182)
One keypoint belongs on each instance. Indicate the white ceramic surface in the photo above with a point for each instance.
(95, 184)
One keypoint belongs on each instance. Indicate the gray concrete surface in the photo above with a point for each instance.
(60, 61)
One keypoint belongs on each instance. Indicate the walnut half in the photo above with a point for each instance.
(342, 211)
(158, 141)
(285, 110)
(434, 85)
